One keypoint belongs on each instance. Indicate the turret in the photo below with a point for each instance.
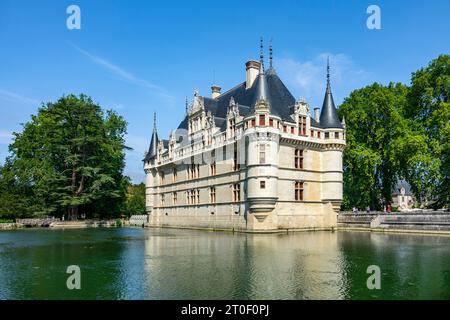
(328, 115)
(150, 172)
(332, 189)
(262, 158)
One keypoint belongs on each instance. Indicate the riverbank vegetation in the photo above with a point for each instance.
(398, 131)
(68, 160)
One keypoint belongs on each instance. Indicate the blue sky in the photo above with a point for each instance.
(138, 57)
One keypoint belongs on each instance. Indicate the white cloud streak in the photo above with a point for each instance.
(124, 75)
(16, 98)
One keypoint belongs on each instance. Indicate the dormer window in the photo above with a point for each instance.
(302, 126)
(262, 120)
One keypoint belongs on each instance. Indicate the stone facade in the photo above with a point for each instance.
(252, 159)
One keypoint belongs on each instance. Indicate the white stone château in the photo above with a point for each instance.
(250, 159)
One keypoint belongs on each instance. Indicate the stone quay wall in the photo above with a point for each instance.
(421, 222)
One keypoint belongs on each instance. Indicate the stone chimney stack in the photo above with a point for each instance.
(215, 91)
(252, 71)
(316, 114)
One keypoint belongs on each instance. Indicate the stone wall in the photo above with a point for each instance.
(431, 221)
(8, 226)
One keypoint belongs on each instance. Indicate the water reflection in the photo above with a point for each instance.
(184, 264)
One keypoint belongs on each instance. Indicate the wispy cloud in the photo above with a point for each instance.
(308, 78)
(16, 98)
(6, 137)
(123, 74)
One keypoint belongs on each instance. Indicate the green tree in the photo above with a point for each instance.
(429, 111)
(135, 203)
(375, 130)
(69, 156)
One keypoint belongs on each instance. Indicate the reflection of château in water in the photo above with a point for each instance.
(251, 159)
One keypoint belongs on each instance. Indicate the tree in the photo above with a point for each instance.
(429, 111)
(135, 203)
(375, 128)
(69, 156)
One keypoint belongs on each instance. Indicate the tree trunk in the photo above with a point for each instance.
(73, 213)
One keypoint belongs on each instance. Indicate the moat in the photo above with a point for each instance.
(136, 263)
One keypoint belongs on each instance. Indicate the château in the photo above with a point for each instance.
(250, 159)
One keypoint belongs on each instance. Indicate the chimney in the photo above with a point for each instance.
(252, 71)
(316, 114)
(215, 91)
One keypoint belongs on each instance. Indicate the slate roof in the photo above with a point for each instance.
(280, 99)
(328, 115)
(153, 149)
(402, 184)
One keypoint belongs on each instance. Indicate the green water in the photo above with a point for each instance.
(135, 263)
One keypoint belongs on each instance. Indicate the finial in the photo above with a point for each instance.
(271, 53)
(261, 56)
(154, 121)
(186, 105)
(328, 69)
(232, 102)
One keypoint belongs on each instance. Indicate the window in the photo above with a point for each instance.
(262, 184)
(236, 192)
(298, 191)
(284, 128)
(197, 196)
(262, 154)
(194, 171)
(192, 196)
(253, 122)
(292, 130)
(175, 173)
(212, 195)
(327, 135)
(312, 133)
(163, 200)
(271, 122)
(262, 120)
(298, 159)
(336, 135)
(162, 176)
(212, 168)
(236, 165)
(302, 126)
(188, 197)
(232, 125)
(318, 134)
(174, 197)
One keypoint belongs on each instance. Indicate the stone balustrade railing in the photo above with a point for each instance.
(138, 220)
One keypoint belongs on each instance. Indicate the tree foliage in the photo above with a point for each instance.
(70, 156)
(394, 132)
(429, 110)
(135, 200)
